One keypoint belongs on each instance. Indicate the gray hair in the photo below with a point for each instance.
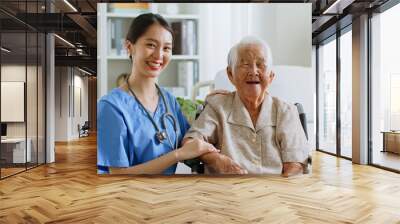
(246, 41)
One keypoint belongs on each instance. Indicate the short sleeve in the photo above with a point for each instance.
(112, 141)
(205, 127)
(291, 137)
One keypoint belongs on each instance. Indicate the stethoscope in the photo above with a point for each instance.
(161, 135)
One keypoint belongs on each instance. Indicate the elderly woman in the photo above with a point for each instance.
(256, 132)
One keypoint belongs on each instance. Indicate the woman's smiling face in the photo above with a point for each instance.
(152, 51)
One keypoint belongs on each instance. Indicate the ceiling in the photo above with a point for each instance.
(78, 26)
(328, 16)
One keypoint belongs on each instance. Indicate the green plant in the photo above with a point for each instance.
(189, 108)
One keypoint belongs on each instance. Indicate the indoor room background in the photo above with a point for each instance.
(206, 33)
(212, 29)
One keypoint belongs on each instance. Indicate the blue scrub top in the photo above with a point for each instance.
(125, 134)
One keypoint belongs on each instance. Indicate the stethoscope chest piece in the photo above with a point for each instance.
(161, 136)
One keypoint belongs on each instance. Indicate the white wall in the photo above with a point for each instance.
(286, 27)
(17, 73)
(296, 84)
(293, 35)
(81, 83)
(61, 103)
(67, 82)
(14, 73)
(12, 101)
(33, 125)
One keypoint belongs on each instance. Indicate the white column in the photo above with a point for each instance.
(360, 90)
(50, 100)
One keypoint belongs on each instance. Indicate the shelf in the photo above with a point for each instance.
(174, 57)
(185, 57)
(166, 16)
(112, 65)
(122, 15)
(118, 57)
(181, 16)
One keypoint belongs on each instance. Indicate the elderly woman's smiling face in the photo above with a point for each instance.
(250, 76)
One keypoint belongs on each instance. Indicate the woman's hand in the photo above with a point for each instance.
(193, 148)
(291, 169)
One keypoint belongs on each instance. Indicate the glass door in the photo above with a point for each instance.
(22, 76)
(327, 96)
(346, 94)
(13, 103)
(385, 85)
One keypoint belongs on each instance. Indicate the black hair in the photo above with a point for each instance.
(141, 23)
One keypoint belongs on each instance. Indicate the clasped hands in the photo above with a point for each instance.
(220, 164)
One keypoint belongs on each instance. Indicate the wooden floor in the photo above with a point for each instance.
(5, 172)
(387, 159)
(70, 191)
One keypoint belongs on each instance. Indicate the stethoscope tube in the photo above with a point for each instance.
(163, 118)
(160, 135)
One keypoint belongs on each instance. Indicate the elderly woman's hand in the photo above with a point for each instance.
(291, 169)
(193, 148)
(221, 164)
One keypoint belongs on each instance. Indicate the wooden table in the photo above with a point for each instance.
(391, 141)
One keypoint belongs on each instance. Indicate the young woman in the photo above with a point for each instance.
(140, 125)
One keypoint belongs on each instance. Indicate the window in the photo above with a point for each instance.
(22, 75)
(385, 89)
(346, 94)
(327, 97)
